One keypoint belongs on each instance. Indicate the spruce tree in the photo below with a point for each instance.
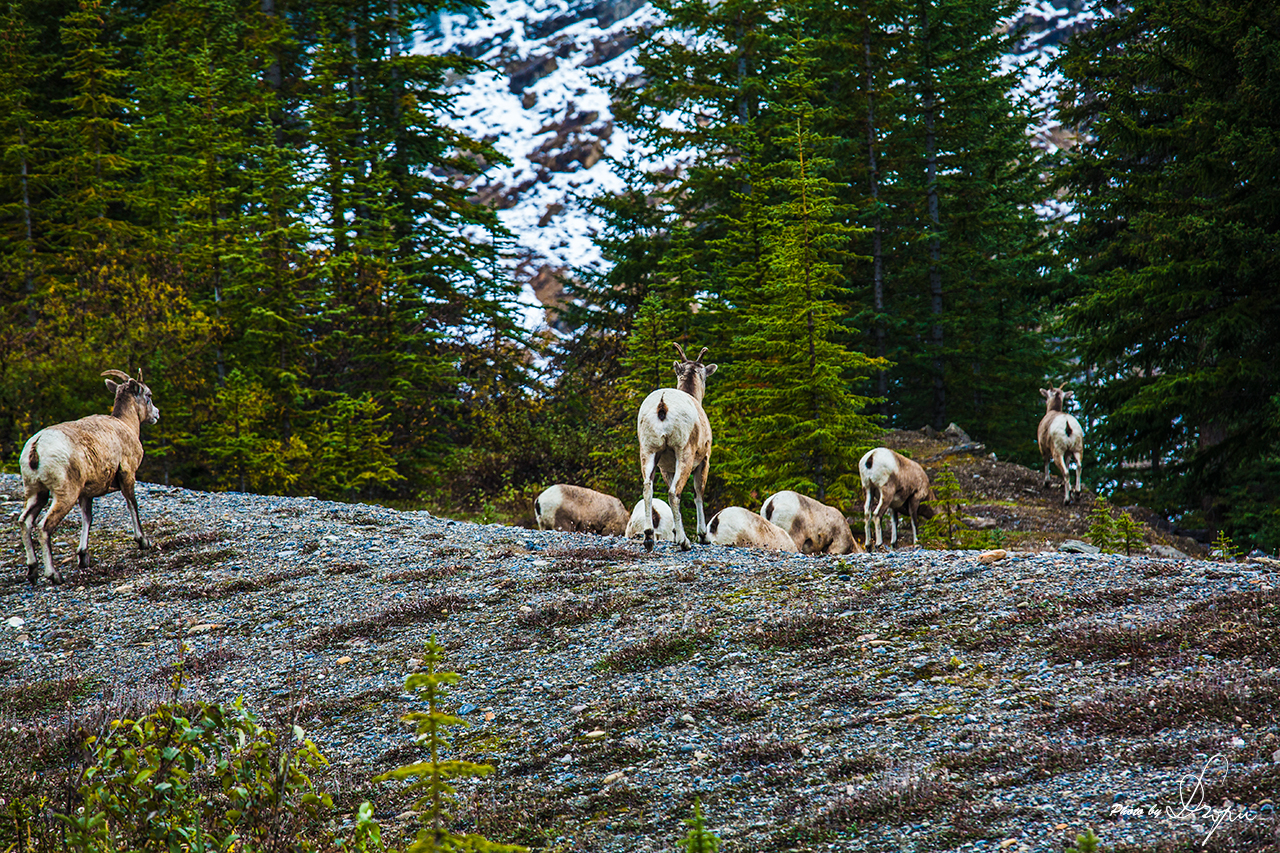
(1174, 297)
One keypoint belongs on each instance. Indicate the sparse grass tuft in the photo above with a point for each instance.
(804, 629)
(661, 649)
(1147, 710)
(408, 613)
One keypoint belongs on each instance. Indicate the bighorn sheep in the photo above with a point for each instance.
(78, 461)
(897, 483)
(675, 436)
(740, 527)
(664, 526)
(815, 527)
(1060, 435)
(580, 510)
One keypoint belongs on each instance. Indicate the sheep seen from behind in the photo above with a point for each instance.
(675, 437)
(893, 483)
(664, 526)
(577, 509)
(815, 527)
(77, 461)
(739, 527)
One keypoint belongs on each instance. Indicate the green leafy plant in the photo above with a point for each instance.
(432, 778)
(699, 839)
(946, 526)
(1102, 527)
(206, 777)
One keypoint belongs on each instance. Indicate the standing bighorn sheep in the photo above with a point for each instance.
(1060, 435)
(675, 436)
(78, 461)
(897, 483)
(580, 510)
(815, 527)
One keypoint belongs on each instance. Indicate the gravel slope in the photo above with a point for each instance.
(921, 700)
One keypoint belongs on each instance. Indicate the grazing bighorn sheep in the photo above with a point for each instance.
(1059, 435)
(897, 483)
(78, 461)
(580, 510)
(664, 525)
(740, 527)
(815, 527)
(675, 436)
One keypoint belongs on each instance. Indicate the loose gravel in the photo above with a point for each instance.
(918, 700)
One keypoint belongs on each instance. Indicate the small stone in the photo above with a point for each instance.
(578, 709)
(700, 756)
(616, 776)
(204, 628)
(595, 734)
(524, 608)
(466, 708)
(878, 643)
(1061, 826)
(989, 557)
(735, 779)
(344, 659)
(566, 758)
(414, 664)
(1169, 552)
(687, 718)
(16, 621)
(865, 638)
(1275, 757)
(979, 522)
(1237, 742)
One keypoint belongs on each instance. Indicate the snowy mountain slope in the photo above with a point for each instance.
(545, 105)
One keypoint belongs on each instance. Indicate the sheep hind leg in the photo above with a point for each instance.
(35, 502)
(676, 480)
(699, 484)
(648, 471)
(58, 511)
(1066, 476)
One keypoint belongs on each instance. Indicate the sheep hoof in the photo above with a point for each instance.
(648, 540)
(685, 546)
(143, 544)
(31, 573)
(55, 578)
(82, 559)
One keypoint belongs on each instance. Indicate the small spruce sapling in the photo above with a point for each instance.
(1224, 548)
(699, 839)
(432, 777)
(1085, 843)
(1102, 527)
(1128, 533)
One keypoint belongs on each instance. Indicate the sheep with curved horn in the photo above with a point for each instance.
(675, 437)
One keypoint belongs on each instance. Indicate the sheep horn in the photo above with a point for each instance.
(701, 354)
(680, 350)
(117, 374)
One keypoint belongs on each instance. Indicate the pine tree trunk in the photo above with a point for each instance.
(935, 244)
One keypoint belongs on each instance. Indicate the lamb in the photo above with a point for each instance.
(664, 526)
(78, 461)
(1060, 436)
(740, 527)
(897, 483)
(675, 436)
(815, 527)
(580, 510)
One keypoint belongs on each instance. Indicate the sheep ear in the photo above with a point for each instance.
(711, 368)
(1068, 395)
(1044, 393)
(112, 386)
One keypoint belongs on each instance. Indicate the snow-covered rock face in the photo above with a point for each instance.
(545, 105)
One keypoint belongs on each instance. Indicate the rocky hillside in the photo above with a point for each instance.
(545, 104)
(916, 700)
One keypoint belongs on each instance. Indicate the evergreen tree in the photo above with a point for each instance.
(1175, 299)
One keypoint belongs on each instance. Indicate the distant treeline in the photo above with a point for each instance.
(260, 203)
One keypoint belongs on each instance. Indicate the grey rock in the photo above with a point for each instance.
(1168, 551)
(1075, 546)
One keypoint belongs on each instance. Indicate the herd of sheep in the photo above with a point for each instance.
(74, 462)
(674, 437)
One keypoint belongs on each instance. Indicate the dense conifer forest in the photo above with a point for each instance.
(263, 204)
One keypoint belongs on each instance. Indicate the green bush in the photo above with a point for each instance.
(199, 778)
